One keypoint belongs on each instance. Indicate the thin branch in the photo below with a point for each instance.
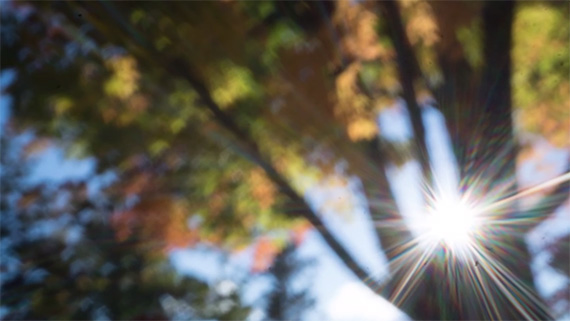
(407, 70)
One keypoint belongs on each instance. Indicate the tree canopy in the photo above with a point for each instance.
(217, 118)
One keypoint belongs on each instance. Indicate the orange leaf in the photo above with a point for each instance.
(264, 254)
(299, 232)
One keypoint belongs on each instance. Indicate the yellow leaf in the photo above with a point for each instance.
(262, 188)
(124, 81)
(362, 128)
(62, 104)
(234, 83)
(158, 146)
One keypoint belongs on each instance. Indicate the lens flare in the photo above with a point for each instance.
(451, 222)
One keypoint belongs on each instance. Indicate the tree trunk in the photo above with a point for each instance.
(495, 157)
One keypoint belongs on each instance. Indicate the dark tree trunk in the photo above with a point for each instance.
(495, 156)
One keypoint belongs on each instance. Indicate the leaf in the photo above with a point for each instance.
(124, 81)
(232, 83)
(265, 252)
(263, 189)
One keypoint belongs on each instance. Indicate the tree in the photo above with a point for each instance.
(214, 110)
(80, 270)
(283, 301)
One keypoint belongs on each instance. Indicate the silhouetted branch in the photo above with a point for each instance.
(407, 70)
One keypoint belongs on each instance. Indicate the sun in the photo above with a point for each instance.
(452, 223)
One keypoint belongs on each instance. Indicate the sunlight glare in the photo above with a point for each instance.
(451, 222)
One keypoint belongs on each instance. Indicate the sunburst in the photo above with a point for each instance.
(457, 224)
(452, 222)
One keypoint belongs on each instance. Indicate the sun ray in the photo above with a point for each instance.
(514, 289)
(550, 183)
(404, 288)
(476, 278)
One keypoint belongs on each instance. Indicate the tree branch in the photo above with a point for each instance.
(181, 68)
(407, 70)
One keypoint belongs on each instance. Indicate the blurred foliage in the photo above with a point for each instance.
(63, 260)
(305, 80)
(425, 35)
(541, 88)
(539, 80)
(540, 83)
(561, 254)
